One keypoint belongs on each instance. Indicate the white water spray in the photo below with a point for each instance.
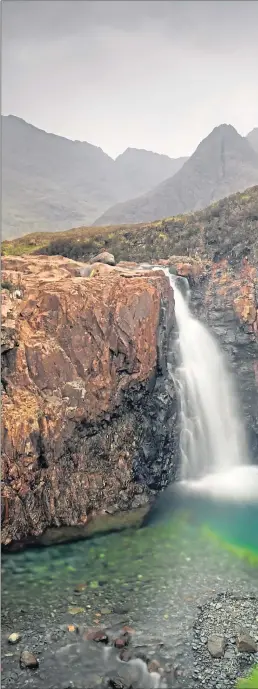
(214, 455)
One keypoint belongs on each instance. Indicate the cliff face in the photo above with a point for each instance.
(88, 416)
(228, 303)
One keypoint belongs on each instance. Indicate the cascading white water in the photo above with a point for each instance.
(212, 438)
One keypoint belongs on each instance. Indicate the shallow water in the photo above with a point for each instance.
(152, 579)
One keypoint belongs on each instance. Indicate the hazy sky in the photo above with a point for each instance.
(155, 75)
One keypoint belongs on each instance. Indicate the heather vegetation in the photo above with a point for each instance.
(226, 228)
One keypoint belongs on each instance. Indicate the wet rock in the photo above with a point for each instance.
(216, 645)
(120, 609)
(74, 610)
(142, 656)
(104, 257)
(128, 630)
(79, 588)
(71, 628)
(117, 683)
(154, 666)
(14, 638)
(125, 655)
(120, 642)
(246, 643)
(98, 635)
(27, 659)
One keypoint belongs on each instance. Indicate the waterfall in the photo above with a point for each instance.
(212, 436)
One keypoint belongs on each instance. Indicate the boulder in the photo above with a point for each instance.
(27, 659)
(246, 643)
(104, 257)
(216, 645)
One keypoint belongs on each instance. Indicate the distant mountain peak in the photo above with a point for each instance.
(224, 132)
(223, 163)
(252, 137)
(52, 183)
(131, 151)
(224, 127)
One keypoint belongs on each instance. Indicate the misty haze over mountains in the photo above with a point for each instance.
(253, 138)
(52, 183)
(223, 163)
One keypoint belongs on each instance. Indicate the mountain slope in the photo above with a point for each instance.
(144, 170)
(222, 164)
(253, 138)
(226, 229)
(52, 183)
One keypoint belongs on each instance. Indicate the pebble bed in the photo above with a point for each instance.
(160, 591)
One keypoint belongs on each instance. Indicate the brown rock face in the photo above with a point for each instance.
(84, 393)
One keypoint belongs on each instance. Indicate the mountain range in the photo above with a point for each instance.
(223, 163)
(52, 183)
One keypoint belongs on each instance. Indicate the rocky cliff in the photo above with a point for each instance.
(219, 246)
(63, 422)
(225, 297)
(88, 415)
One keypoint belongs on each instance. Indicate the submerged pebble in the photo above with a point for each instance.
(27, 659)
(14, 638)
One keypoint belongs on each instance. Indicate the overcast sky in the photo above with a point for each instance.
(155, 75)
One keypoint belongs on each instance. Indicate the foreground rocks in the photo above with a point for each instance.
(88, 417)
(218, 632)
(216, 645)
(246, 643)
(27, 659)
(70, 655)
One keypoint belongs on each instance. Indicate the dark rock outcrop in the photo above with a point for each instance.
(226, 300)
(88, 414)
